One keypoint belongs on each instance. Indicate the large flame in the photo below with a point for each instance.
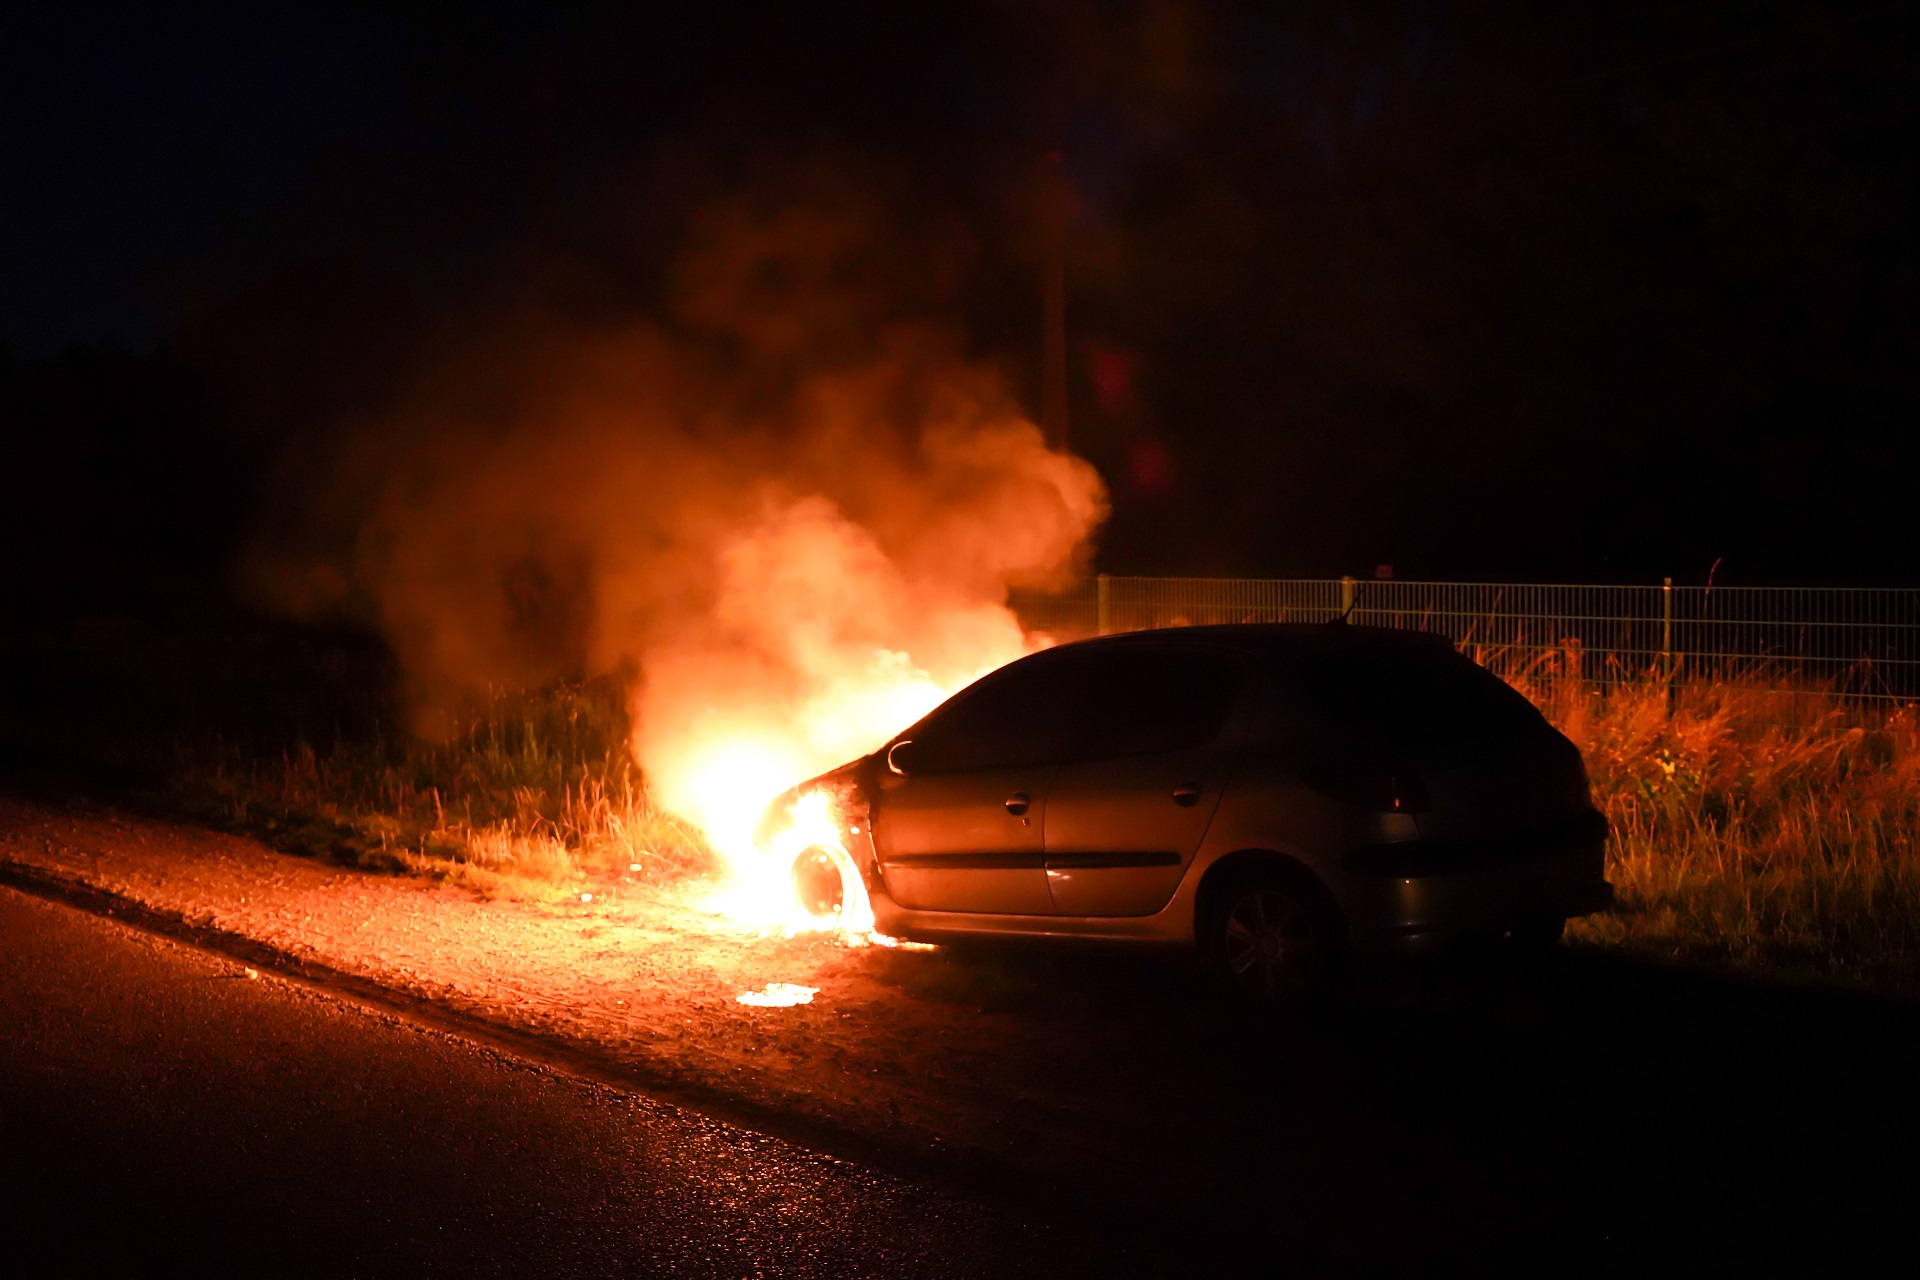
(730, 774)
(790, 501)
(819, 646)
(800, 551)
(759, 884)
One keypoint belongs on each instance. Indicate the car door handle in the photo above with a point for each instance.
(1017, 803)
(1187, 794)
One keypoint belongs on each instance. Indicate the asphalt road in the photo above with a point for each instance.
(163, 1113)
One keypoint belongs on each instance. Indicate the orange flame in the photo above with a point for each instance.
(727, 784)
(820, 642)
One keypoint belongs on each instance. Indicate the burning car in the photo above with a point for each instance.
(1280, 796)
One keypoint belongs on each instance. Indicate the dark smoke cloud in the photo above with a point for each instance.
(791, 484)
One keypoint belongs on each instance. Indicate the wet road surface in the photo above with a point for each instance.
(163, 1113)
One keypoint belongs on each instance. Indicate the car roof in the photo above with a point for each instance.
(1271, 638)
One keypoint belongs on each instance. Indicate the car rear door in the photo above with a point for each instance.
(962, 828)
(1146, 770)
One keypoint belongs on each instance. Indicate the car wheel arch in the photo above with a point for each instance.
(1242, 864)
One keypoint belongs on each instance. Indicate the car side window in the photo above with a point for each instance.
(1016, 718)
(1409, 695)
(1147, 702)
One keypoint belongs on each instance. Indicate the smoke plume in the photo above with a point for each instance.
(789, 502)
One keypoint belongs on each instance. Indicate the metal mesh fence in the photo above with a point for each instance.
(1858, 643)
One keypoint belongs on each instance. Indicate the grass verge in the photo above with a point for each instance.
(533, 798)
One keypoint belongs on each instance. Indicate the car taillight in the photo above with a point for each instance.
(1379, 787)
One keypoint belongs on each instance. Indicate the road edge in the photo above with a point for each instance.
(960, 1174)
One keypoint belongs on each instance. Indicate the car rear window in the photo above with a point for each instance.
(1410, 695)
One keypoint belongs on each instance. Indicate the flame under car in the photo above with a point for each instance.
(1283, 797)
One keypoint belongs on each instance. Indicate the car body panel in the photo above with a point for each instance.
(949, 842)
(1118, 840)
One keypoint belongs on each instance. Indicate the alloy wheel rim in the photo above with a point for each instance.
(1269, 942)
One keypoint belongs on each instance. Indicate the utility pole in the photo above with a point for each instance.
(1053, 356)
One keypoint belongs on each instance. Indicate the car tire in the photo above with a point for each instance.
(1535, 938)
(1274, 939)
(817, 882)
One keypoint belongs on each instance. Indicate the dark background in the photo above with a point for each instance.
(1568, 292)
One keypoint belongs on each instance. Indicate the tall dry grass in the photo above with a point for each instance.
(535, 797)
(1763, 829)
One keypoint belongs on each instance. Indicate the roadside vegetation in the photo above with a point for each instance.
(1762, 831)
(533, 798)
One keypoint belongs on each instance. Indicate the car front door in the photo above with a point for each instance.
(959, 826)
(1145, 772)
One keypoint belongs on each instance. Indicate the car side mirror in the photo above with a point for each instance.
(902, 757)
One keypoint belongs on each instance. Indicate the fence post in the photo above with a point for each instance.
(1346, 596)
(1666, 640)
(1103, 605)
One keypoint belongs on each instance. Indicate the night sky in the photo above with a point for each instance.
(1571, 292)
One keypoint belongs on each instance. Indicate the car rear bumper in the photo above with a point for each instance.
(1422, 896)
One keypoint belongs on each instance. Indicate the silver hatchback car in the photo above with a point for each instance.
(1282, 797)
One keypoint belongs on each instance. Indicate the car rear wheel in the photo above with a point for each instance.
(1273, 941)
(1536, 937)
